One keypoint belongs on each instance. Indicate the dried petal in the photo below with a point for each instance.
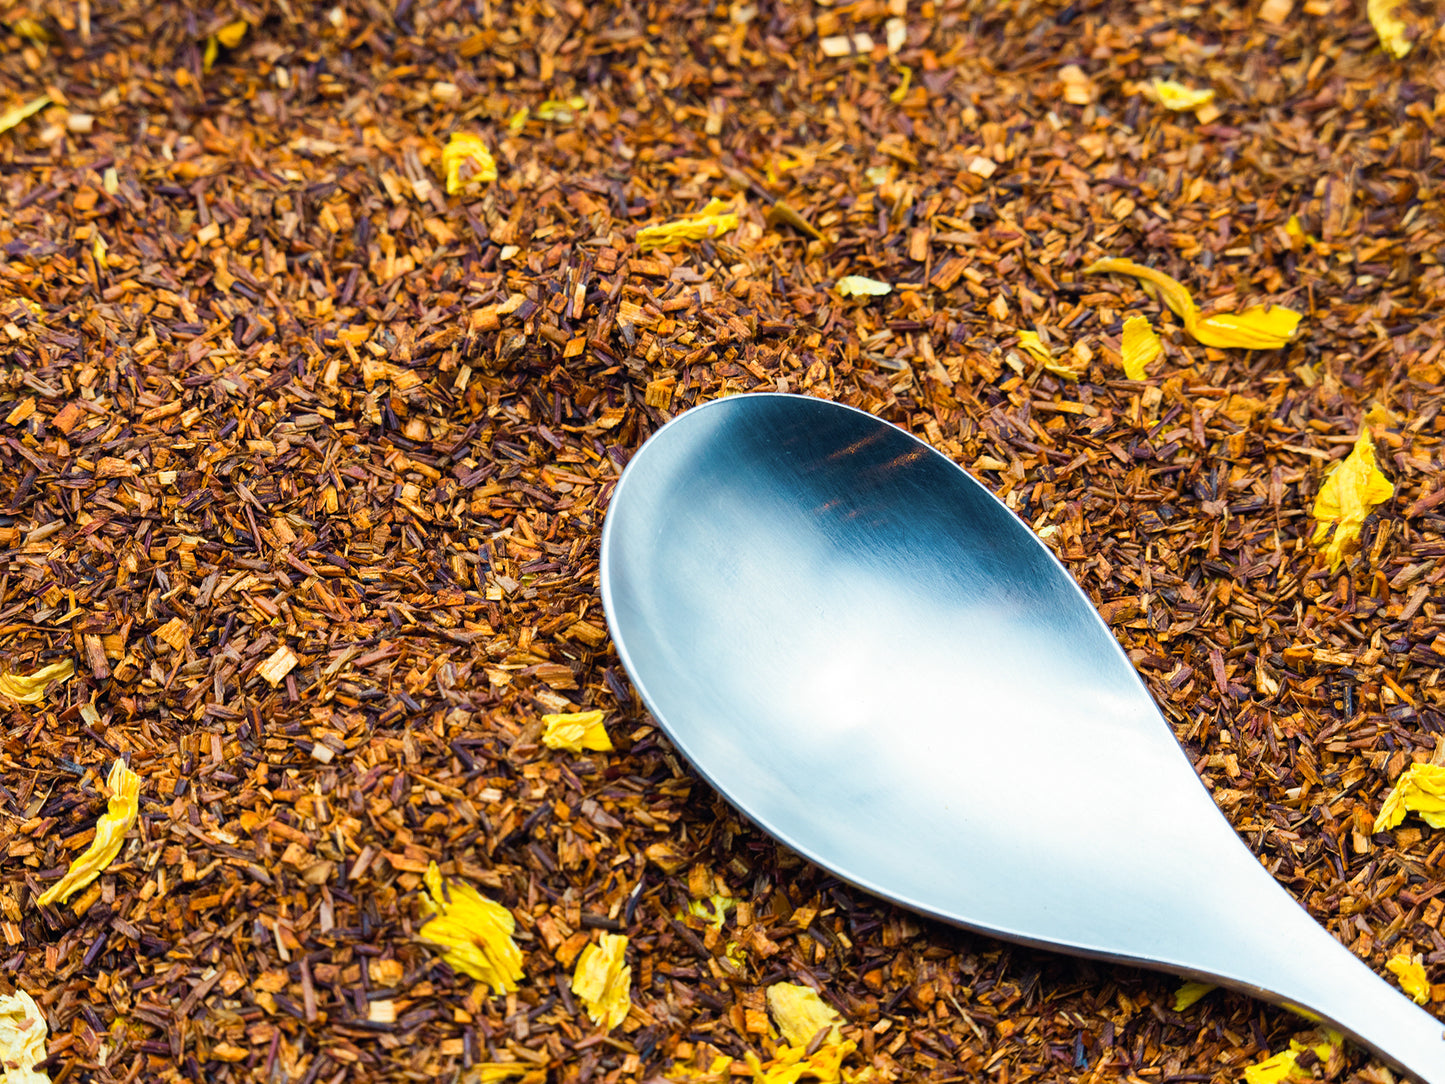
(11, 117)
(1178, 97)
(1190, 993)
(1389, 26)
(562, 112)
(861, 286)
(1350, 492)
(1276, 1069)
(1032, 345)
(1258, 328)
(1411, 973)
(1420, 789)
(473, 932)
(716, 1073)
(22, 1039)
(492, 1072)
(604, 981)
(231, 34)
(110, 830)
(800, 1013)
(1139, 347)
(576, 731)
(467, 163)
(712, 221)
(30, 688)
(782, 214)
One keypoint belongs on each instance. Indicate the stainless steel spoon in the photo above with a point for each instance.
(873, 659)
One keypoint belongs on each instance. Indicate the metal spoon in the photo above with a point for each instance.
(875, 661)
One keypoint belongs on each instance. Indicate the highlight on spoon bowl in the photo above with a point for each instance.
(872, 658)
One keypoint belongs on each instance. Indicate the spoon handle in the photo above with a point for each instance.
(1326, 979)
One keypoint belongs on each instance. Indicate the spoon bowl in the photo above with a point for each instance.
(872, 658)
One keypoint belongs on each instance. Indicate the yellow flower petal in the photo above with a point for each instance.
(110, 830)
(473, 932)
(22, 1039)
(467, 163)
(231, 34)
(604, 981)
(1032, 345)
(1139, 347)
(1389, 26)
(1258, 328)
(11, 117)
(1411, 973)
(800, 1013)
(713, 910)
(861, 286)
(576, 731)
(712, 221)
(1178, 97)
(1273, 1070)
(1190, 993)
(1420, 789)
(30, 688)
(717, 1073)
(562, 112)
(492, 1072)
(1351, 491)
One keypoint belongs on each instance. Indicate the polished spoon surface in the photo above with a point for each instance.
(866, 653)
